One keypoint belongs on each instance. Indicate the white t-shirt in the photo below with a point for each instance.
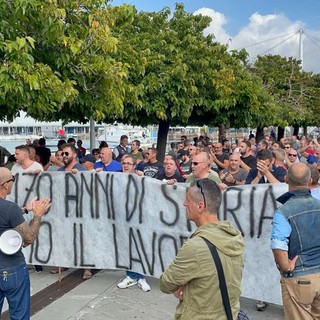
(35, 166)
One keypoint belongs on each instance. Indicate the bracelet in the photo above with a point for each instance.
(24, 210)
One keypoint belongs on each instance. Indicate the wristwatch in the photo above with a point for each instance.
(288, 274)
(24, 210)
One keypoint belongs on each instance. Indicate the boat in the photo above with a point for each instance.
(111, 133)
(25, 127)
(175, 133)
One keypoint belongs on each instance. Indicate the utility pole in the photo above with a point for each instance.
(92, 134)
(301, 47)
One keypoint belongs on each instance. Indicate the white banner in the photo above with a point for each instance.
(121, 221)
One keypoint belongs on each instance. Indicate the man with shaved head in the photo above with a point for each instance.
(14, 280)
(200, 167)
(233, 175)
(295, 243)
(291, 157)
(106, 163)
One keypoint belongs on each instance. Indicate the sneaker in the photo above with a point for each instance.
(261, 305)
(126, 283)
(143, 284)
(38, 269)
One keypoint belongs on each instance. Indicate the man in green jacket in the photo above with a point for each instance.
(192, 276)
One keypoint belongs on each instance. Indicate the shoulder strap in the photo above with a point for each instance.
(222, 280)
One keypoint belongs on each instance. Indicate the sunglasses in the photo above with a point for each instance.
(195, 163)
(292, 155)
(200, 186)
(12, 179)
(127, 163)
(65, 154)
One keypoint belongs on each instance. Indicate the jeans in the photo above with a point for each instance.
(134, 275)
(15, 286)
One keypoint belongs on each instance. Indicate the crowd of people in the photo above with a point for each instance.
(209, 167)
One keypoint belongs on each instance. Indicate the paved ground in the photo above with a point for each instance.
(99, 298)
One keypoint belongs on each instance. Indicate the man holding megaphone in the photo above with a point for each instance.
(14, 275)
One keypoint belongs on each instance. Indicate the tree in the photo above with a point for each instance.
(179, 76)
(56, 59)
(295, 92)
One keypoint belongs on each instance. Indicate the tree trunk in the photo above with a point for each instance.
(222, 132)
(162, 139)
(305, 131)
(296, 130)
(280, 133)
(259, 134)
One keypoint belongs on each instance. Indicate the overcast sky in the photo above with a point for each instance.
(259, 26)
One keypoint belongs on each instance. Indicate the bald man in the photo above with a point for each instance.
(15, 282)
(200, 167)
(106, 163)
(295, 243)
(233, 175)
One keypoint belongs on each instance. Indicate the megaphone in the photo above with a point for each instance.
(10, 242)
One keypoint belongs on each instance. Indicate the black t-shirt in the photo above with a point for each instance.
(44, 153)
(151, 169)
(221, 157)
(250, 161)
(162, 176)
(10, 217)
(186, 167)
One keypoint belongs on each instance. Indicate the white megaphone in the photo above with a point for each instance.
(10, 242)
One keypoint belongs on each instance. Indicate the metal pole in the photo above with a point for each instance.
(301, 47)
(92, 135)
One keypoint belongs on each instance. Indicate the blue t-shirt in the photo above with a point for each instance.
(114, 166)
(140, 165)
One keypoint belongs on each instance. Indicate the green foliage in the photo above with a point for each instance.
(56, 59)
(178, 75)
(63, 60)
(295, 92)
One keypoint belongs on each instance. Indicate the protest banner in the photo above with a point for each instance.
(126, 222)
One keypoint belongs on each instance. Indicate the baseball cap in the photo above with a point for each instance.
(89, 158)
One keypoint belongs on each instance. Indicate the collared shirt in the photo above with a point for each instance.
(281, 228)
(281, 231)
(315, 193)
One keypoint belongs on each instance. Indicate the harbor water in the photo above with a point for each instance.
(50, 143)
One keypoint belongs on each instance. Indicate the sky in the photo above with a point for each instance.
(260, 26)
